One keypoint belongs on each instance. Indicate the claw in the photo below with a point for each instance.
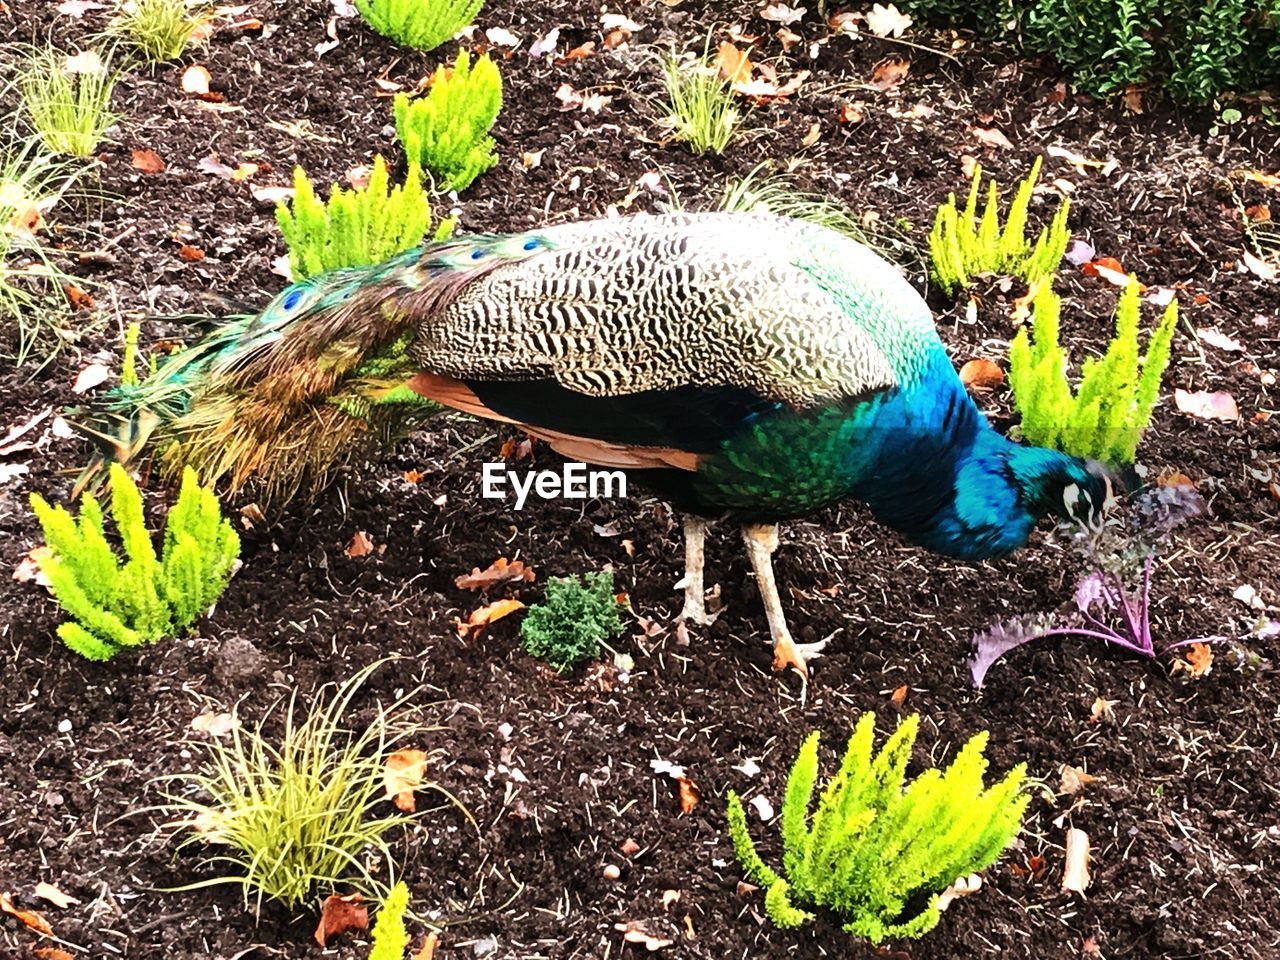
(788, 653)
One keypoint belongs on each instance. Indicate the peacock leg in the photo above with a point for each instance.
(695, 606)
(762, 540)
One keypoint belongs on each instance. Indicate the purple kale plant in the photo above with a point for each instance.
(1112, 602)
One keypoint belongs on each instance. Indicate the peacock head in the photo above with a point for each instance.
(1070, 488)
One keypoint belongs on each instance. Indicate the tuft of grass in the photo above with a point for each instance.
(161, 29)
(762, 191)
(67, 98)
(31, 184)
(699, 104)
(424, 24)
(298, 817)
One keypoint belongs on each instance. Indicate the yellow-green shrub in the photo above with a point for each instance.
(962, 245)
(879, 855)
(389, 934)
(357, 227)
(147, 597)
(424, 24)
(1106, 417)
(447, 131)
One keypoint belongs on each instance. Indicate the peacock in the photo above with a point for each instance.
(746, 367)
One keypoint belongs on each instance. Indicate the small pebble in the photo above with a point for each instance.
(64, 726)
(611, 872)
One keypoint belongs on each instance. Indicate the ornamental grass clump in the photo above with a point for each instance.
(447, 131)
(309, 815)
(699, 104)
(355, 228)
(1105, 417)
(67, 98)
(161, 29)
(424, 24)
(880, 856)
(962, 245)
(571, 625)
(147, 597)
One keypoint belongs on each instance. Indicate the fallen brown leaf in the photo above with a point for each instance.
(47, 891)
(52, 953)
(360, 546)
(190, 253)
(32, 919)
(690, 794)
(890, 72)
(402, 774)
(412, 476)
(981, 374)
(214, 724)
(899, 695)
(77, 297)
(1074, 779)
(339, 914)
(578, 53)
(850, 113)
(733, 64)
(500, 571)
(94, 375)
(482, 617)
(148, 161)
(991, 137)
(1198, 659)
(633, 932)
(28, 569)
(428, 949)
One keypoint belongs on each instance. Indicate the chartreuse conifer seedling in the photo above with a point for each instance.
(447, 131)
(424, 24)
(355, 228)
(877, 854)
(148, 597)
(1105, 417)
(961, 245)
(390, 938)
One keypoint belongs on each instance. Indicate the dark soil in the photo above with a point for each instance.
(555, 771)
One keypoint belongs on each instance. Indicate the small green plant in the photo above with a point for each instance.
(161, 29)
(699, 104)
(962, 246)
(300, 817)
(424, 24)
(447, 131)
(355, 228)
(1106, 417)
(67, 98)
(390, 938)
(569, 627)
(878, 855)
(148, 597)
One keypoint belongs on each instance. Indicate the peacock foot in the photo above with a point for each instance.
(788, 653)
(695, 611)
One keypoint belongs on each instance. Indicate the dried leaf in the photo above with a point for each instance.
(47, 891)
(212, 165)
(850, 113)
(1074, 779)
(339, 914)
(195, 79)
(77, 297)
(633, 932)
(94, 375)
(1075, 876)
(616, 21)
(981, 374)
(428, 949)
(214, 724)
(690, 794)
(991, 137)
(1198, 659)
(402, 774)
(500, 571)
(1108, 268)
(360, 546)
(890, 72)
(1259, 267)
(501, 37)
(733, 64)
(1218, 405)
(148, 161)
(482, 617)
(782, 13)
(32, 919)
(52, 953)
(190, 253)
(580, 52)
(1218, 339)
(1101, 710)
(886, 21)
(899, 695)
(78, 8)
(1083, 163)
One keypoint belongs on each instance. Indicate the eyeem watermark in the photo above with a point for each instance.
(575, 481)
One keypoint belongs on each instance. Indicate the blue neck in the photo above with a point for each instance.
(947, 481)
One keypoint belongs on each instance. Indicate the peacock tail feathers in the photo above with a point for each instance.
(281, 397)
